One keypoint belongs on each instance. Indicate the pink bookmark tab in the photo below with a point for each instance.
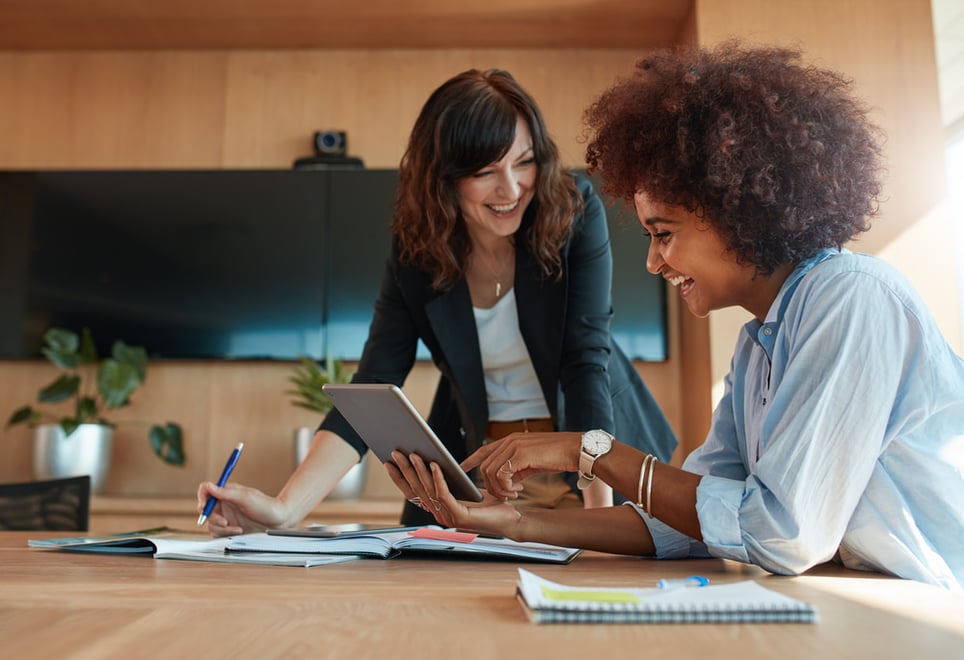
(443, 535)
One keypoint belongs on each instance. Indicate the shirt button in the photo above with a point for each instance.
(768, 331)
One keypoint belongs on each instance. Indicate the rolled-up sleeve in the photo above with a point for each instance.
(669, 543)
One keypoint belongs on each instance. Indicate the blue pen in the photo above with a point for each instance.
(232, 461)
(691, 581)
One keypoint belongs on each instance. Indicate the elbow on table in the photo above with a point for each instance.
(790, 556)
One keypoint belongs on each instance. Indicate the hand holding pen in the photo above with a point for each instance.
(228, 468)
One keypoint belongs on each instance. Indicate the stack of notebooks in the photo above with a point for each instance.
(548, 602)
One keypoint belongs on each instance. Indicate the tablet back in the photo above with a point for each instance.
(386, 420)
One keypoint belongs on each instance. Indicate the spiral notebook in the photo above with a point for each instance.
(737, 602)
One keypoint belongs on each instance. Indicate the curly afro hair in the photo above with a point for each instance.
(778, 157)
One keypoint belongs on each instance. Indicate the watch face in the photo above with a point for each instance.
(597, 442)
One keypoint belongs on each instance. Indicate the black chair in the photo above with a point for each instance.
(54, 505)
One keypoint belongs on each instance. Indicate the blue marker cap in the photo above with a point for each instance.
(691, 581)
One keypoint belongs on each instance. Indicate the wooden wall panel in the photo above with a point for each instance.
(112, 110)
(258, 109)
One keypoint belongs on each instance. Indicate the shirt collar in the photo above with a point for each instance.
(765, 333)
(779, 306)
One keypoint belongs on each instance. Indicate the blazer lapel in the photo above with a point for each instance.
(453, 323)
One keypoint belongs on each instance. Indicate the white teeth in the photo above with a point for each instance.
(676, 281)
(505, 208)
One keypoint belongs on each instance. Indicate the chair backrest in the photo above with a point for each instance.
(57, 504)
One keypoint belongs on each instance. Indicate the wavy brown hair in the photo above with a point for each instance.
(777, 156)
(467, 124)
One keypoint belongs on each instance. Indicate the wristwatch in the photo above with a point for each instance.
(595, 443)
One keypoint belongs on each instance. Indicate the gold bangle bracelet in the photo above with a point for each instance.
(642, 475)
(649, 487)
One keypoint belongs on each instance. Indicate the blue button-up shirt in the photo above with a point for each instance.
(840, 433)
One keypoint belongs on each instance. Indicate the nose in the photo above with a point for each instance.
(654, 260)
(508, 185)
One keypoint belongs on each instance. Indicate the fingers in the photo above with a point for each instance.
(399, 480)
(223, 528)
(480, 454)
(520, 455)
(500, 470)
(204, 490)
(414, 479)
(224, 520)
(449, 507)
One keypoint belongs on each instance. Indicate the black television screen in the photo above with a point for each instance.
(639, 323)
(229, 264)
(188, 264)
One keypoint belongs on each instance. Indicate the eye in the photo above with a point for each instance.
(663, 237)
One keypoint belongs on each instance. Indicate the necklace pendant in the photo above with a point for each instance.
(498, 289)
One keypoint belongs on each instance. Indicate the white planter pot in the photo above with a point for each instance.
(351, 485)
(85, 451)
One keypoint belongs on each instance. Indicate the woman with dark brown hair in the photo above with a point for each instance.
(840, 433)
(501, 266)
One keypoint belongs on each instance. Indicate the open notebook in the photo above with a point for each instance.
(548, 602)
(165, 543)
(385, 545)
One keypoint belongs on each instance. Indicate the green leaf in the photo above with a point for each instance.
(61, 348)
(135, 356)
(166, 441)
(88, 352)
(308, 379)
(61, 389)
(115, 382)
(86, 409)
(69, 425)
(21, 415)
(61, 340)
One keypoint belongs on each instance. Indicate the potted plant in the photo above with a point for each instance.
(80, 442)
(308, 376)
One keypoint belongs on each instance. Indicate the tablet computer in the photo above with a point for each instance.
(386, 420)
(343, 530)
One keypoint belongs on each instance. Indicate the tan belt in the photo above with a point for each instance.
(498, 430)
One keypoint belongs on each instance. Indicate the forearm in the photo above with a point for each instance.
(671, 495)
(328, 460)
(618, 529)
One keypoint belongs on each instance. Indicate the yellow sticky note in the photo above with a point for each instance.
(594, 596)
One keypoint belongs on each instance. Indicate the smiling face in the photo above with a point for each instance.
(493, 199)
(688, 252)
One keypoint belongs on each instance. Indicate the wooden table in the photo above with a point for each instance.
(55, 604)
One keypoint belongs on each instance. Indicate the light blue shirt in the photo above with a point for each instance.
(841, 430)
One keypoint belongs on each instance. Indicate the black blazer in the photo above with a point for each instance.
(586, 379)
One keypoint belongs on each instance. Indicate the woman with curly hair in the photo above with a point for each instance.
(501, 266)
(840, 434)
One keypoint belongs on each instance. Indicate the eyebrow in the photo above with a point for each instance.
(658, 220)
(526, 152)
